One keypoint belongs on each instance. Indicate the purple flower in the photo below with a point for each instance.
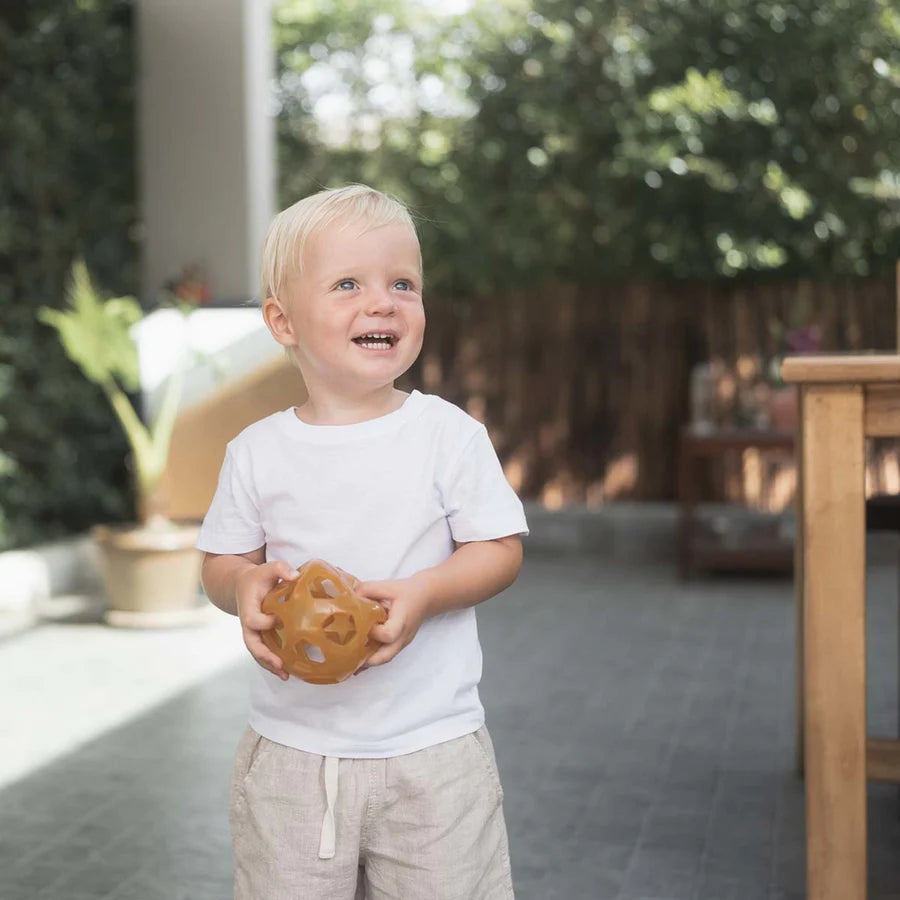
(803, 340)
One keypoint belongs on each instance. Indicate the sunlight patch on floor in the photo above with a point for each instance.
(62, 685)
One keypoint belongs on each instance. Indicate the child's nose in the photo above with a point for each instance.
(381, 301)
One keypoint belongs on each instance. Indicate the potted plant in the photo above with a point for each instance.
(151, 569)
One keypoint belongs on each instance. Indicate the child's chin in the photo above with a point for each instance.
(380, 370)
(383, 359)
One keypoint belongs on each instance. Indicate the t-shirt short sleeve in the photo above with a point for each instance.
(232, 523)
(479, 502)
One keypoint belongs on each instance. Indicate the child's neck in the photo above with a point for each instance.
(336, 409)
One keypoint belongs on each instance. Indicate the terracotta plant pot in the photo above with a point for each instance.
(152, 576)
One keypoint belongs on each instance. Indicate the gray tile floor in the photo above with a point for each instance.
(643, 728)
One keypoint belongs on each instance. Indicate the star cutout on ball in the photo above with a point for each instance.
(340, 628)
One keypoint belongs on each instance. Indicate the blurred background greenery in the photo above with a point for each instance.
(541, 144)
(67, 188)
(560, 140)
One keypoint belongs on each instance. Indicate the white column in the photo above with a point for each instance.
(205, 140)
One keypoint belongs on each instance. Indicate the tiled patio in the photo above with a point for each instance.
(643, 728)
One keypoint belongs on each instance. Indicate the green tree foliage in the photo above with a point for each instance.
(599, 140)
(66, 190)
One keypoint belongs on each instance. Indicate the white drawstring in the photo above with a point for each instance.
(326, 844)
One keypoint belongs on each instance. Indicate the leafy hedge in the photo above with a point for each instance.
(66, 189)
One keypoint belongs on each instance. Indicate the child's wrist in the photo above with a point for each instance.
(237, 575)
(426, 589)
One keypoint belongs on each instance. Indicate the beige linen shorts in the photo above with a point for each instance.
(423, 826)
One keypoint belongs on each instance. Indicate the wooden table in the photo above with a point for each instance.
(763, 552)
(843, 401)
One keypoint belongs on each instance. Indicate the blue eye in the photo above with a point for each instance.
(346, 285)
(403, 284)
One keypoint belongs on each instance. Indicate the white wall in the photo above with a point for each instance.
(205, 139)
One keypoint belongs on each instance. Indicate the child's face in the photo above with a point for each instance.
(354, 315)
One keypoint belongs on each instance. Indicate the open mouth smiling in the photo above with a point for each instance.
(376, 340)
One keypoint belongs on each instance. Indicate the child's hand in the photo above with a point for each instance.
(250, 590)
(407, 604)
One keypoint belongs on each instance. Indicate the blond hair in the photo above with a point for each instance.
(282, 255)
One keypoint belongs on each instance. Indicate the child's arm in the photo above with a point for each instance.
(238, 584)
(475, 572)
(219, 573)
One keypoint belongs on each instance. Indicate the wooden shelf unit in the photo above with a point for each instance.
(761, 546)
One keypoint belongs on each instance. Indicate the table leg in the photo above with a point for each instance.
(834, 641)
(799, 664)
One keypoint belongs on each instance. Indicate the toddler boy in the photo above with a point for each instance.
(385, 783)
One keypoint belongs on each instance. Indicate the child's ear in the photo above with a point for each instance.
(277, 322)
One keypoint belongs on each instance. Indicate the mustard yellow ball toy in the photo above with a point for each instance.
(323, 627)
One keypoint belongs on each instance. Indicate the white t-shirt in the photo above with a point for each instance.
(380, 499)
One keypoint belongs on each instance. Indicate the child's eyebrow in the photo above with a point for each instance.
(339, 277)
